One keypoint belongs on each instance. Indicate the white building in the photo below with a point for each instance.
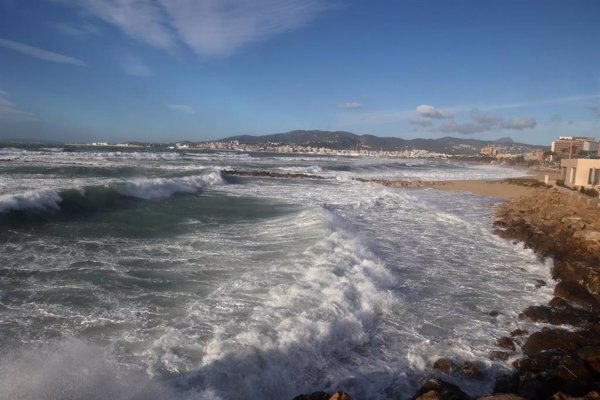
(581, 172)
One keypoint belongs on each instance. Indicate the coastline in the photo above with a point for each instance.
(561, 361)
(505, 189)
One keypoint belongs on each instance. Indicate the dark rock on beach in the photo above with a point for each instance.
(436, 389)
(577, 295)
(506, 343)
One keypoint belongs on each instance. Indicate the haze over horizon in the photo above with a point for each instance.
(169, 70)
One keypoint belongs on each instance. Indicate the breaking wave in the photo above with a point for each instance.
(97, 196)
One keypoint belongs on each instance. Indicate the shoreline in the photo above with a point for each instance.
(562, 360)
(505, 189)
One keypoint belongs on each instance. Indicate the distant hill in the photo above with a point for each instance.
(349, 140)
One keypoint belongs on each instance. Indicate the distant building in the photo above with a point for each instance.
(490, 150)
(581, 172)
(571, 146)
(540, 155)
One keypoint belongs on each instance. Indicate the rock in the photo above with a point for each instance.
(591, 355)
(500, 355)
(588, 396)
(576, 294)
(519, 332)
(549, 339)
(313, 396)
(340, 396)
(535, 389)
(588, 337)
(506, 343)
(558, 369)
(503, 396)
(562, 304)
(470, 371)
(494, 313)
(436, 389)
(539, 283)
(561, 316)
(444, 365)
(592, 236)
(507, 383)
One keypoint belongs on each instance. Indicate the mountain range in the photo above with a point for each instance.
(349, 140)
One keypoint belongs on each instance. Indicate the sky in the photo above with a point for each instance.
(173, 70)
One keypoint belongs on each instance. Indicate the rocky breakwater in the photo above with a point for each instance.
(560, 361)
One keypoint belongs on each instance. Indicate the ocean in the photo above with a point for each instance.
(148, 274)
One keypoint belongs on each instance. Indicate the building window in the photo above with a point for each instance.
(591, 176)
(573, 174)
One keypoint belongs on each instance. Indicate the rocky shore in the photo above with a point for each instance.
(562, 361)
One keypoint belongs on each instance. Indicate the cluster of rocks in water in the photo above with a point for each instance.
(562, 361)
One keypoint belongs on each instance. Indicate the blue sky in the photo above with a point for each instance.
(169, 70)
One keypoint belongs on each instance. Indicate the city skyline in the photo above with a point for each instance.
(171, 70)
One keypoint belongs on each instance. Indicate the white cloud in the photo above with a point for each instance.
(181, 107)
(520, 123)
(42, 54)
(134, 66)
(144, 20)
(209, 27)
(353, 105)
(9, 110)
(427, 111)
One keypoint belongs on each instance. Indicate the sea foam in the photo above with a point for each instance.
(46, 199)
(164, 187)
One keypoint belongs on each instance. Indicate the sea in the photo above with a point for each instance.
(150, 274)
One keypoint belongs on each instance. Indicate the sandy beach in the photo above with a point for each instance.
(506, 189)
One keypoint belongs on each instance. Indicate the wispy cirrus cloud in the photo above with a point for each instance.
(9, 110)
(39, 53)
(133, 66)
(210, 28)
(182, 108)
(80, 30)
(352, 105)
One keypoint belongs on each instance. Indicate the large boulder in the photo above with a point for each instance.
(562, 315)
(549, 339)
(577, 295)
